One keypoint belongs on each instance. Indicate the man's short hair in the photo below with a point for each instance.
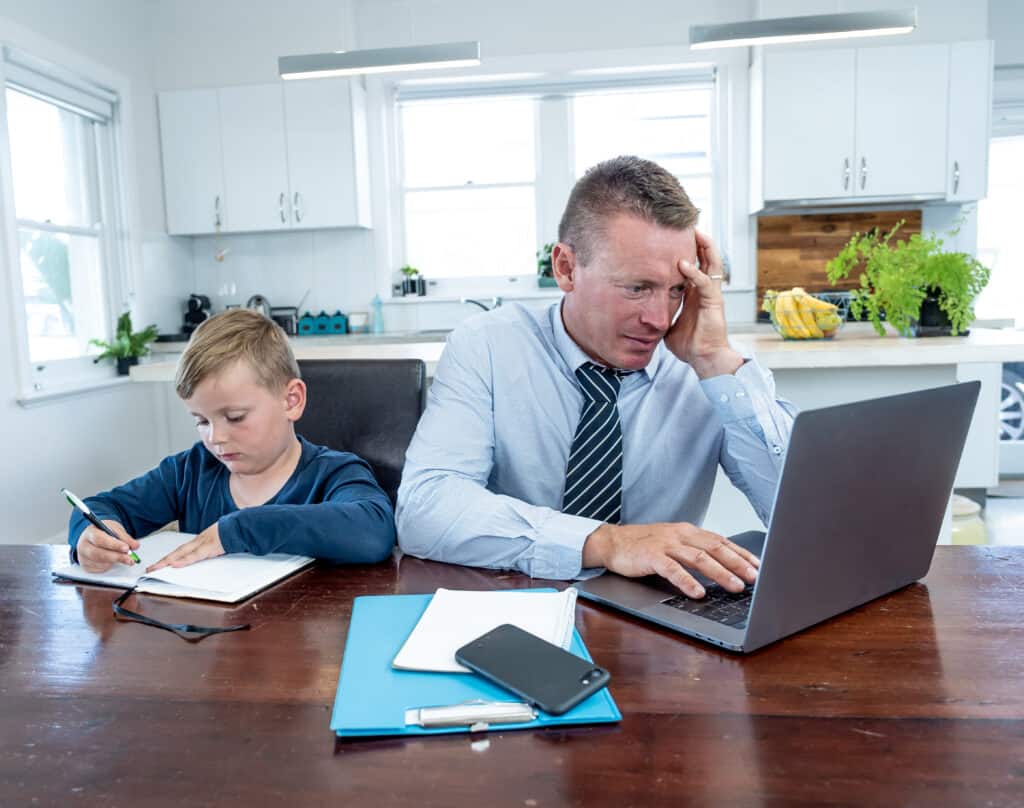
(622, 185)
(230, 336)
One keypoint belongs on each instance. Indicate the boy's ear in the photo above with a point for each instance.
(294, 399)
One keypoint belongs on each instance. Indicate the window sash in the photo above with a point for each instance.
(38, 78)
(553, 182)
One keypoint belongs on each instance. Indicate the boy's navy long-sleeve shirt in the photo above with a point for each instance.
(330, 508)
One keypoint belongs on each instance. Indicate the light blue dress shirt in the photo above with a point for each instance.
(484, 474)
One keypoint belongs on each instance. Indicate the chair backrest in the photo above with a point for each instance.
(369, 407)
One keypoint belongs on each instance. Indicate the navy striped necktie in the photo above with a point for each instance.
(593, 475)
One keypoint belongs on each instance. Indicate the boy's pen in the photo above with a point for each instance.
(88, 514)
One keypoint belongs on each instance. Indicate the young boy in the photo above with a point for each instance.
(250, 484)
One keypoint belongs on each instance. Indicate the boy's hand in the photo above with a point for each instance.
(98, 552)
(205, 545)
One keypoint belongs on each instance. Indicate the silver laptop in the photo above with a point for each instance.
(857, 514)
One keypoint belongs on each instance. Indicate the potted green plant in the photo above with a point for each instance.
(918, 288)
(126, 347)
(410, 284)
(545, 269)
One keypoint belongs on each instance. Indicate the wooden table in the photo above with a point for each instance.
(914, 699)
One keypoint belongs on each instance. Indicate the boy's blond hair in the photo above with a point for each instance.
(232, 335)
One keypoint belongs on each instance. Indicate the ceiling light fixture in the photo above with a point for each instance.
(379, 60)
(803, 29)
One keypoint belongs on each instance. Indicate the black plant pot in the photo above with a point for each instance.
(934, 322)
(124, 364)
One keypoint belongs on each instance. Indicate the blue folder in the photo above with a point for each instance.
(372, 696)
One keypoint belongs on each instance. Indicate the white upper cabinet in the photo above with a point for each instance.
(902, 103)
(193, 170)
(808, 124)
(290, 155)
(866, 124)
(255, 162)
(328, 158)
(970, 120)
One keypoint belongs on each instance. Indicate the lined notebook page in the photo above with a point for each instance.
(455, 617)
(227, 578)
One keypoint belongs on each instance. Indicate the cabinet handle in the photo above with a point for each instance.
(956, 176)
(297, 205)
(863, 172)
(216, 211)
(846, 173)
(280, 207)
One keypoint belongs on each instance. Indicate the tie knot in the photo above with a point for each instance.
(600, 383)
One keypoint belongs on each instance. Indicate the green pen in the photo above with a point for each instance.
(84, 510)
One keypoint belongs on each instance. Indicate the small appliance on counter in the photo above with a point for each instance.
(197, 311)
(287, 317)
(259, 303)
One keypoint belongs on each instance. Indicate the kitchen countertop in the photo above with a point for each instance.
(856, 345)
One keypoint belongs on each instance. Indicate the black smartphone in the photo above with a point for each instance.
(538, 671)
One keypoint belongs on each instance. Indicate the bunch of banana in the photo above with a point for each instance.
(799, 315)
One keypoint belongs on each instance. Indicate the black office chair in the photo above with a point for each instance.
(369, 407)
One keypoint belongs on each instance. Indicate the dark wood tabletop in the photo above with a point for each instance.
(914, 699)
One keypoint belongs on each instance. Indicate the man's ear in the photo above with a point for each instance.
(563, 264)
(294, 399)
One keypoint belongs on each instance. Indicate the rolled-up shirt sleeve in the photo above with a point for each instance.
(757, 428)
(445, 510)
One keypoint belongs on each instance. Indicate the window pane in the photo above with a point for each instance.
(1000, 242)
(471, 232)
(62, 285)
(672, 127)
(475, 140)
(53, 159)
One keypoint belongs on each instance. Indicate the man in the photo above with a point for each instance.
(589, 435)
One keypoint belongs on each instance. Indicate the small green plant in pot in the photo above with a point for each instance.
(545, 269)
(917, 287)
(127, 347)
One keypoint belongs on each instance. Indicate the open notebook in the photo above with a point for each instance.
(227, 578)
(456, 617)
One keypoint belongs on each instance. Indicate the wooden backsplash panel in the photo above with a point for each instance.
(793, 250)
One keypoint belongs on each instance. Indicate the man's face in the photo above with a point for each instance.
(243, 424)
(619, 306)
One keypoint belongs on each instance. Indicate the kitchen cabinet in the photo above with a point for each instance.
(255, 160)
(289, 155)
(970, 120)
(869, 124)
(328, 156)
(193, 170)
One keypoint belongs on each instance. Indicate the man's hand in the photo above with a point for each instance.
(667, 550)
(98, 552)
(205, 545)
(698, 336)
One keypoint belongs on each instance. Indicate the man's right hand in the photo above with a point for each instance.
(98, 552)
(668, 549)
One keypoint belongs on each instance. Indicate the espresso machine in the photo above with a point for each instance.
(197, 312)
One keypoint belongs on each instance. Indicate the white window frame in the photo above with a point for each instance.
(554, 157)
(24, 72)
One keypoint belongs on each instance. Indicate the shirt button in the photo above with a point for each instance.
(723, 398)
(740, 394)
(777, 449)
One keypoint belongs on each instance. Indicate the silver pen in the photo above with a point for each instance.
(477, 714)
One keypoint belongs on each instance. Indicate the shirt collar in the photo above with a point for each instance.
(574, 356)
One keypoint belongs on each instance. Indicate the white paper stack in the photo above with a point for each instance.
(456, 617)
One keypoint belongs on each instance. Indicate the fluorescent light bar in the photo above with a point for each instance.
(379, 60)
(803, 29)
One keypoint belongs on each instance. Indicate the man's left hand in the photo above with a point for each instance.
(698, 336)
(205, 545)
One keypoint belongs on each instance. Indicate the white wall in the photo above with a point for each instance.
(98, 439)
(1006, 27)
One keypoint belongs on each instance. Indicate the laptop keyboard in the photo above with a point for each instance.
(718, 604)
